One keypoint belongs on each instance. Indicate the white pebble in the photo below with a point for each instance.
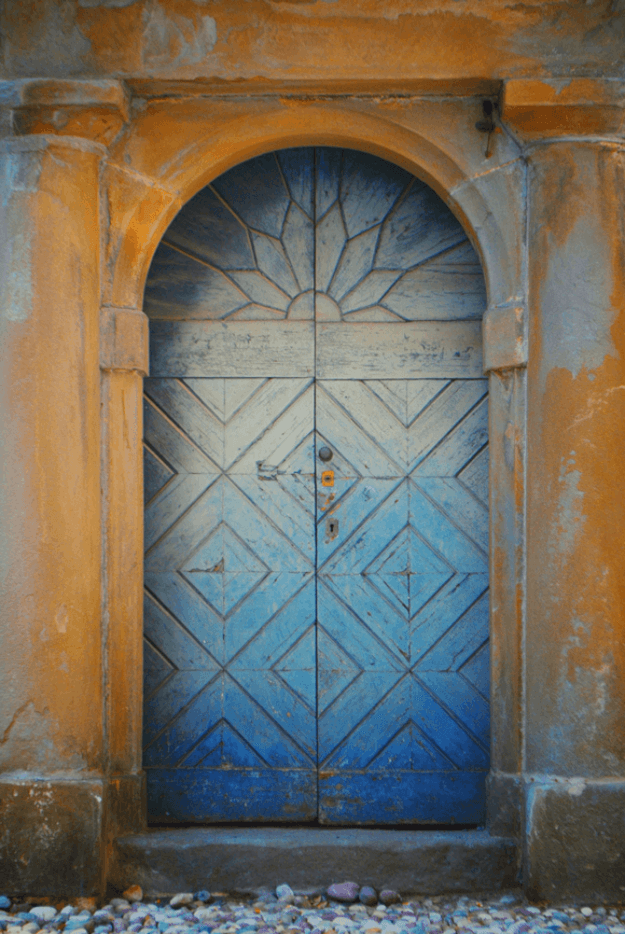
(181, 898)
(45, 912)
(586, 911)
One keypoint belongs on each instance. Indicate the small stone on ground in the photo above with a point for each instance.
(368, 895)
(344, 891)
(286, 910)
(134, 893)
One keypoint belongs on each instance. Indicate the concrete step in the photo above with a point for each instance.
(243, 859)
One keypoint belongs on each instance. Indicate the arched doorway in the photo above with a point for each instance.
(316, 612)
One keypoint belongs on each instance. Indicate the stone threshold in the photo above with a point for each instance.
(244, 859)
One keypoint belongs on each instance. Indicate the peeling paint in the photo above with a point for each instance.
(16, 276)
(61, 619)
(576, 331)
(51, 36)
(171, 40)
(569, 516)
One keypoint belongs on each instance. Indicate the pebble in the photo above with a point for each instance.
(390, 897)
(134, 894)
(345, 908)
(44, 912)
(344, 891)
(368, 895)
(183, 898)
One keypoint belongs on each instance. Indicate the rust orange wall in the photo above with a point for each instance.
(310, 40)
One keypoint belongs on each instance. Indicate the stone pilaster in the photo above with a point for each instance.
(505, 361)
(53, 751)
(574, 648)
(124, 363)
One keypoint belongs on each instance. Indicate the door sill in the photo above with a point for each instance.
(242, 860)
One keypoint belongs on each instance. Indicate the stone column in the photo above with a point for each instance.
(52, 726)
(124, 362)
(495, 202)
(575, 637)
(505, 361)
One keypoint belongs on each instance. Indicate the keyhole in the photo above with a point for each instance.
(332, 527)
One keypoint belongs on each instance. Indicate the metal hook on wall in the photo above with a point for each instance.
(487, 123)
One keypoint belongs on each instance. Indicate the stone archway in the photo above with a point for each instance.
(141, 207)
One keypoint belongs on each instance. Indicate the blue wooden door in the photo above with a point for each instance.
(316, 630)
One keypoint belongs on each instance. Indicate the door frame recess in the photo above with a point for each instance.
(201, 141)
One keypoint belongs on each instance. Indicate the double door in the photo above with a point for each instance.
(316, 606)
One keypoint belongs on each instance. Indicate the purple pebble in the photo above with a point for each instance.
(344, 891)
(368, 895)
(389, 897)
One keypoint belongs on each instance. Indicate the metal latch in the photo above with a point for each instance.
(327, 478)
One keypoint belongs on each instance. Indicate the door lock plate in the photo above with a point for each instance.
(327, 478)
(332, 527)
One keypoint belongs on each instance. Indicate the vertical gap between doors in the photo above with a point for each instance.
(314, 258)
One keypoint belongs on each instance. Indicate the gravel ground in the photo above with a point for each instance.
(288, 912)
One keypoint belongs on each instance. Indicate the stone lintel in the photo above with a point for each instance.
(51, 836)
(124, 340)
(504, 330)
(574, 839)
(94, 109)
(417, 88)
(564, 106)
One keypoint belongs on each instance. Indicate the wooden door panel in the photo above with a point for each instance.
(407, 579)
(230, 603)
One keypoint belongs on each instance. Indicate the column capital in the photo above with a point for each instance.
(124, 340)
(40, 142)
(564, 107)
(92, 109)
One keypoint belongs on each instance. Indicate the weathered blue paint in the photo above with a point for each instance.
(230, 600)
(339, 674)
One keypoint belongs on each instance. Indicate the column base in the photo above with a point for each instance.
(51, 836)
(574, 840)
(504, 804)
(126, 806)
